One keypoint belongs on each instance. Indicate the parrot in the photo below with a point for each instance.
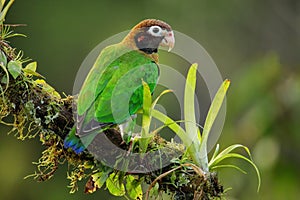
(112, 92)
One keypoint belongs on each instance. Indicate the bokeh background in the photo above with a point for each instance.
(254, 43)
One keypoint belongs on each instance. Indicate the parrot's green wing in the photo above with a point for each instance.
(123, 94)
(97, 78)
(113, 90)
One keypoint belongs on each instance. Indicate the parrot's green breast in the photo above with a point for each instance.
(113, 89)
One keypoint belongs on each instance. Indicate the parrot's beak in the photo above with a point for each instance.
(168, 40)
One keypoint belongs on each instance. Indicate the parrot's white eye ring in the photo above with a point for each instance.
(155, 31)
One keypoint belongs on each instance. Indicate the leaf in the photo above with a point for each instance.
(226, 153)
(30, 69)
(179, 131)
(191, 128)
(146, 119)
(4, 79)
(164, 126)
(3, 59)
(100, 178)
(133, 187)
(114, 186)
(229, 166)
(171, 124)
(215, 153)
(2, 2)
(14, 68)
(189, 104)
(159, 96)
(154, 190)
(210, 119)
(4, 11)
(31, 66)
(173, 178)
(11, 34)
(46, 87)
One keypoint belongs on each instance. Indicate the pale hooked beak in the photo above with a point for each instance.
(168, 40)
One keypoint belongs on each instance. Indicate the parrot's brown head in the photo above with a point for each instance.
(149, 34)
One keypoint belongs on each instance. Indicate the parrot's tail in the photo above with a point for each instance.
(74, 142)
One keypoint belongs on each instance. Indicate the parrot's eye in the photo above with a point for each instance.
(155, 30)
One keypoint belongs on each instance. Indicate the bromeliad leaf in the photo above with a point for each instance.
(229, 149)
(146, 119)
(4, 11)
(229, 166)
(2, 4)
(226, 153)
(189, 104)
(210, 119)
(172, 125)
(189, 115)
(14, 68)
(159, 96)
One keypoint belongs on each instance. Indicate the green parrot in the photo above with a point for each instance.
(112, 91)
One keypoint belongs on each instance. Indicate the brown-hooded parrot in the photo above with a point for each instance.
(112, 91)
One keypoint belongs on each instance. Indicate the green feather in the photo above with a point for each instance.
(113, 88)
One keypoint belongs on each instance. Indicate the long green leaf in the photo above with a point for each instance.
(210, 119)
(187, 141)
(228, 150)
(189, 104)
(189, 115)
(228, 166)
(236, 155)
(4, 11)
(159, 96)
(171, 124)
(146, 118)
(2, 2)
(10, 35)
(215, 153)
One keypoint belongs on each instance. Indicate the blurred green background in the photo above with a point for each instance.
(254, 43)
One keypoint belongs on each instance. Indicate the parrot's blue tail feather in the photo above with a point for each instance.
(72, 141)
